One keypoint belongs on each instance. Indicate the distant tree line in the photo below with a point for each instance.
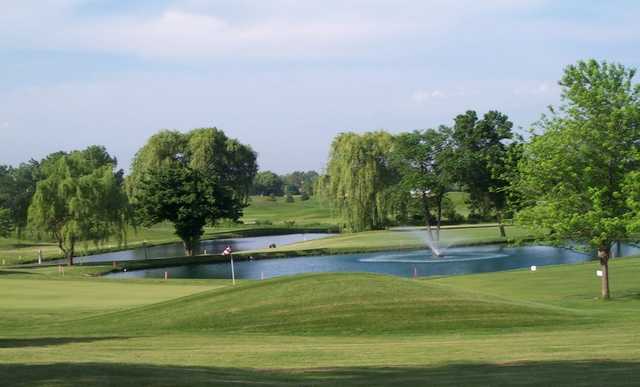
(267, 183)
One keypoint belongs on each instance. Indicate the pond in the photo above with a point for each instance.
(211, 246)
(460, 260)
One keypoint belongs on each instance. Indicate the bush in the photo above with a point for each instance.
(289, 198)
(289, 223)
(304, 196)
(265, 222)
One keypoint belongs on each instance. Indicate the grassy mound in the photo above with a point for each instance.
(330, 304)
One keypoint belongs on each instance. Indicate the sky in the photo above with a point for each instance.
(285, 76)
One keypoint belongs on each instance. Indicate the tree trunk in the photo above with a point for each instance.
(189, 247)
(604, 253)
(439, 220)
(503, 234)
(427, 215)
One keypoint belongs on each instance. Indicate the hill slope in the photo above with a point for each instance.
(330, 304)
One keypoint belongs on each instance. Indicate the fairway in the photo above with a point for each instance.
(322, 329)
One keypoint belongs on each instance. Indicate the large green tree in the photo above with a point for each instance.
(80, 198)
(576, 177)
(422, 158)
(191, 179)
(360, 180)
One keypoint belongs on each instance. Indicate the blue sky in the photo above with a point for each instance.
(285, 76)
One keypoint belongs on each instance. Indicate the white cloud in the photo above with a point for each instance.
(422, 96)
(255, 29)
(538, 88)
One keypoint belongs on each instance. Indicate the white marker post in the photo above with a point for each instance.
(534, 268)
(233, 274)
(599, 273)
(40, 257)
(228, 252)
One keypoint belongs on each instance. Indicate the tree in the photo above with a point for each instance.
(17, 186)
(79, 198)
(6, 225)
(422, 158)
(267, 183)
(299, 182)
(360, 180)
(180, 195)
(481, 146)
(576, 179)
(191, 179)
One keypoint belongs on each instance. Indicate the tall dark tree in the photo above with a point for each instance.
(191, 179)
(6, 224)
(17, 186)
(481, 148)
(180, 195)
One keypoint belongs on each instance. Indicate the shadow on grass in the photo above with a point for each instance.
(47, 341)
(584, 373)
(13, 272)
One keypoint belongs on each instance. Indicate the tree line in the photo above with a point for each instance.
(268, 183)
(378, 179)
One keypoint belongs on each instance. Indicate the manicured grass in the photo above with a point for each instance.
(312, 212)
(508, 328)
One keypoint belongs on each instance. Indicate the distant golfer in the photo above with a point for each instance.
(227, 251)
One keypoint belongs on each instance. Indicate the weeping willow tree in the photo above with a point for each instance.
(80, 199)
(359, 181)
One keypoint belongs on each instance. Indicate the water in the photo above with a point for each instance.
(460, 260)
(211, 246)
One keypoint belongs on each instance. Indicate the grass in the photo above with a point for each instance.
(507, 328)
(312, 212)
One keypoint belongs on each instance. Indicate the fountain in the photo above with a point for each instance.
(434, 246)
